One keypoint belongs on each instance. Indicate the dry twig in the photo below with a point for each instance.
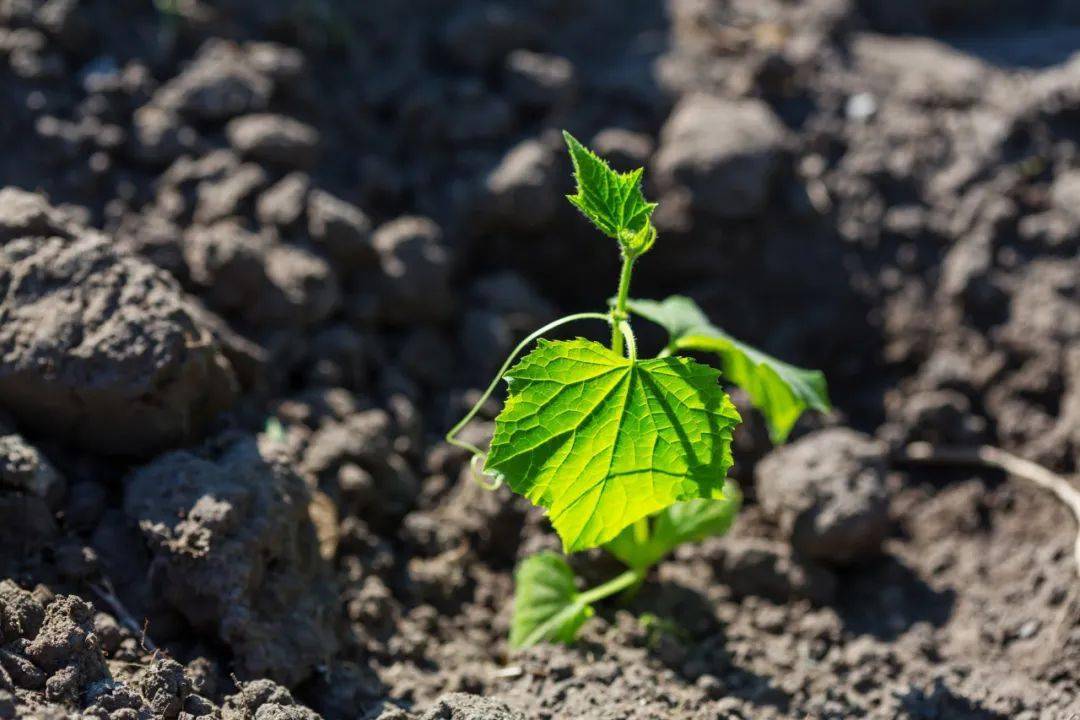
(104, 590)
(989, 456)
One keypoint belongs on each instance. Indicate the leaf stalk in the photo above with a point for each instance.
(617, 584)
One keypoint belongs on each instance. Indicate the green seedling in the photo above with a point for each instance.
(626, 453)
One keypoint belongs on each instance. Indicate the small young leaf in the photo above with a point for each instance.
(601, 440)
(781, 391)
(547, 605)
(611, 200)
(688, 521)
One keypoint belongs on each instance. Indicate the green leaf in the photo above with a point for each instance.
(547, 605)
(601, 440)
(683, 522)
(782, 392)
(613, 201)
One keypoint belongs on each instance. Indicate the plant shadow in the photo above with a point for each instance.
(683, 633)
(886, 598)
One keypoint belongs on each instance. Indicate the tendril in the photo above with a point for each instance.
(478, 455)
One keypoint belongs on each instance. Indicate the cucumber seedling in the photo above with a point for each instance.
(625, 453)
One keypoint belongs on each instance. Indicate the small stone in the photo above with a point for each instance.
(861, 107)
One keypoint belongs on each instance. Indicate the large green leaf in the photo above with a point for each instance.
(611, 200)
(601, 440)
(683, 522)
(779, 390)
(547, 605)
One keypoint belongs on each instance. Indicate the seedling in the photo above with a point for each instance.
(624, 453)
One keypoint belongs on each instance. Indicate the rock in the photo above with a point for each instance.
(522, 192)
(412, 256)
(827, 492)
(283, 203)
(231, 537)
(463, 706)
(540, 80)
(274, 139)
(219, 84)
(342, 229)
(101, 351)
(724, 153)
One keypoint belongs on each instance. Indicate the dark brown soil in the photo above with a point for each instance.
(256, 258)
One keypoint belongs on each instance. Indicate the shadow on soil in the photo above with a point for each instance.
(887, 598)
(941, 702)
(684, 634)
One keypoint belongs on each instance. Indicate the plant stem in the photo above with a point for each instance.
(618, 313)
(615, 585)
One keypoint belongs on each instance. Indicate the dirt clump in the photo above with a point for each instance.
(105, 341)
(827, 493)
(233, 550)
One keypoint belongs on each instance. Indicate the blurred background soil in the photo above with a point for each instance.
(257, 256)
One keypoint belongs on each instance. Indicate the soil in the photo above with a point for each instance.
(256, 258)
